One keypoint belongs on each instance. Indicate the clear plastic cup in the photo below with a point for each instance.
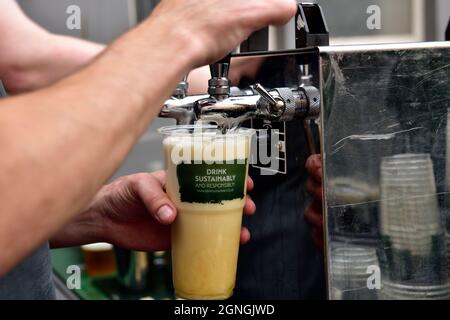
(396, 291)
(206, 179)
(410, 212)
(349, 265)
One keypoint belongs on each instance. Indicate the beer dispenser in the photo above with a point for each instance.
(378, 114)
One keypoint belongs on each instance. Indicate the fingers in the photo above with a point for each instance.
(313, 215)
(314, 168)
(160, 176)
(245, 235)
(315, 189)
(150, 190)
(314, 161)
(249, 207)
(314, 183)
(279, 12)
(316, 175)
(250, 184)
(318, 238)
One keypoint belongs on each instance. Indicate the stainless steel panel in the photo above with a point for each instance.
(385, 138)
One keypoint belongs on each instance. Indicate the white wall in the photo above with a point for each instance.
(102, 20)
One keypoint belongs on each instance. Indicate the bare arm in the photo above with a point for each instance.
(26, 64)
(63, 142)
(60, 144)
(31, 57)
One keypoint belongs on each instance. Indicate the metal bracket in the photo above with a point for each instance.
(311, 27)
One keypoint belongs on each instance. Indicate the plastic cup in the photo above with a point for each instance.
(409, 206)
(206, 179)
(396, 291)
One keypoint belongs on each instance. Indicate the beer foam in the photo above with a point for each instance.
(214, 148)
(100, 246)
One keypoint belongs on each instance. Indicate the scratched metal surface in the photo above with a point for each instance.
(382, 103)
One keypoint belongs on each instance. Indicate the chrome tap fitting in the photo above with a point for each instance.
(225, 105)
(219, 84)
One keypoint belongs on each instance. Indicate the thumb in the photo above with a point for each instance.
(151, 191)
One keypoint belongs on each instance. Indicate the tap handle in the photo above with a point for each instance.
(221, 68)
(182, 88)
(265, 94)
(219, 84)
(276, 105)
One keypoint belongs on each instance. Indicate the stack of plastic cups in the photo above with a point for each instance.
(351, 268)
(410, 212)
(447, 202)
(448, 252)
(412, 225)
(447, 167)
(394, 291)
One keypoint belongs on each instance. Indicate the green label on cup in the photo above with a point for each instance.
(211, 183)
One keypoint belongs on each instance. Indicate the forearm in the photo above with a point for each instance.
(65, 141)
(31, 57)
(60, 57)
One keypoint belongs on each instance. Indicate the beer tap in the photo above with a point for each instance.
(219, 86)
(227, 107)
(181, 91)
(180, 106)
(295, 98)
(257, 102)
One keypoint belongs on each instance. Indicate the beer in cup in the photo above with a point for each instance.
(206, 179)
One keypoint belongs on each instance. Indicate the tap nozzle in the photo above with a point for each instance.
(182, 88)
(304, 75)
(179, 106)
(219, 84)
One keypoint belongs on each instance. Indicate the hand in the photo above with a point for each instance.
(213, 28)
(136, 212)
(314, 212)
